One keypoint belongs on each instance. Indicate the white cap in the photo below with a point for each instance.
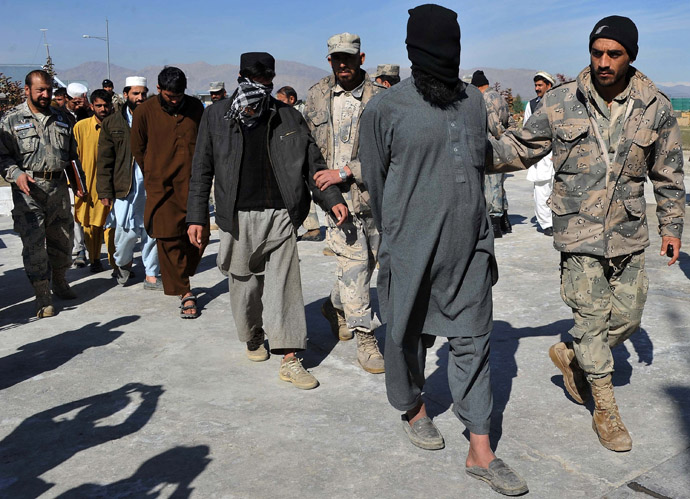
(76, 90)
(135, 81)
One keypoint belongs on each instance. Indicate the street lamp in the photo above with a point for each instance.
(106, 39)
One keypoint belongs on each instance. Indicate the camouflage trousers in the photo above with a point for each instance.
(45, 224)
(356, 245)
(607, 296)
(495, 194)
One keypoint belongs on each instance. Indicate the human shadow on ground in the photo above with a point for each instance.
(177, 467)
(207, 295)
(505, 341)
(516, 219)
(681, 396)
(321, 340)
(50, 353)
(16, 288)
(684, 263)
(49, 438)
(642, 346)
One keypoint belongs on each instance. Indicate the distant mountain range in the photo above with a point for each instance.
(300, 76)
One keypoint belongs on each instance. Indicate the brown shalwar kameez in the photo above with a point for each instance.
(163, 146)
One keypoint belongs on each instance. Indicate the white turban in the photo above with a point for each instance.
(135, 81)
(76, 90)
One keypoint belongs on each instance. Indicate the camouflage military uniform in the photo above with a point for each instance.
(601, 158)
(498, 120)
(42, 147)
(333, 117)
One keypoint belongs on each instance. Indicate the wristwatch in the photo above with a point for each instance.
(343, 174)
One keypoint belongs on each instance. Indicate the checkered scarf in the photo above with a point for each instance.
(249, 94)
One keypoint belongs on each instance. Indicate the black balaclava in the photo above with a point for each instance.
(433, 42)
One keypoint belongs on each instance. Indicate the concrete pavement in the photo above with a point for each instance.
(118, 397)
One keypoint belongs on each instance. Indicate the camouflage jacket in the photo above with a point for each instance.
(26, 145)
(317, 113)
(598, 203)
(498, 114)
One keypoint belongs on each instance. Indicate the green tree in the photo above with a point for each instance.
(518, 105)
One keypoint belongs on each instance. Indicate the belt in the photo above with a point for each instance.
(48, 175)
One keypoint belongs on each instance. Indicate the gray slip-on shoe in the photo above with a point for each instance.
(500, 477)
(154, 286)
(423, 433)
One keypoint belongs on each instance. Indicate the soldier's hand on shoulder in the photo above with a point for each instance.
(24, 182)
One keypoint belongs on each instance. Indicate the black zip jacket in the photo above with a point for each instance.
(293, 154)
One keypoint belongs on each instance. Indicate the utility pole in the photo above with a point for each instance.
(106, 39)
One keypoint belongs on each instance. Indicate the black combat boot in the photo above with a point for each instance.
(496, 224)
(505, 223)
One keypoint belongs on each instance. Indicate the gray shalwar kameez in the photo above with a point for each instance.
(259, 256)
(424, 168)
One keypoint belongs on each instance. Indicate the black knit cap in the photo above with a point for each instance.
(433, 42)
(478, 79)
(618, 28)
(249, 59)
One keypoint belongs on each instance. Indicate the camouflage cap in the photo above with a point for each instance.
(216, 86)
(344, 42)
(387, 70)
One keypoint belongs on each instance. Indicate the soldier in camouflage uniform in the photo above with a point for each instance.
(333, 109)
(387, 75)
(498, 120)
(608, 130)
(36, 148)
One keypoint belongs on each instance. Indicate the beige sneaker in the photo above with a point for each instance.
(256, 351)
(291, 370)
(368, 353)
(336, 319)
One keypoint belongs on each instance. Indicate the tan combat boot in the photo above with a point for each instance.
(606, 421)
(368, 353)
(336, 319)
(563, 357)
(60, 286)
(44, 300)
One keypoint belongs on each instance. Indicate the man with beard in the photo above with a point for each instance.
(608, 130)
(163, 137)
(333, 109)
(120, 185)
(217, 90)
(498, 120)
(422, 150)
(36, 150)
(77, 103)
(264, 159)
(88, 211)
(541, 174)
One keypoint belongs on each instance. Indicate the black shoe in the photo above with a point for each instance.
(496, 224)
(96, 267)
(548, 231)
(505, 223)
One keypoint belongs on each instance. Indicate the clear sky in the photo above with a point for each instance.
(500, 33)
